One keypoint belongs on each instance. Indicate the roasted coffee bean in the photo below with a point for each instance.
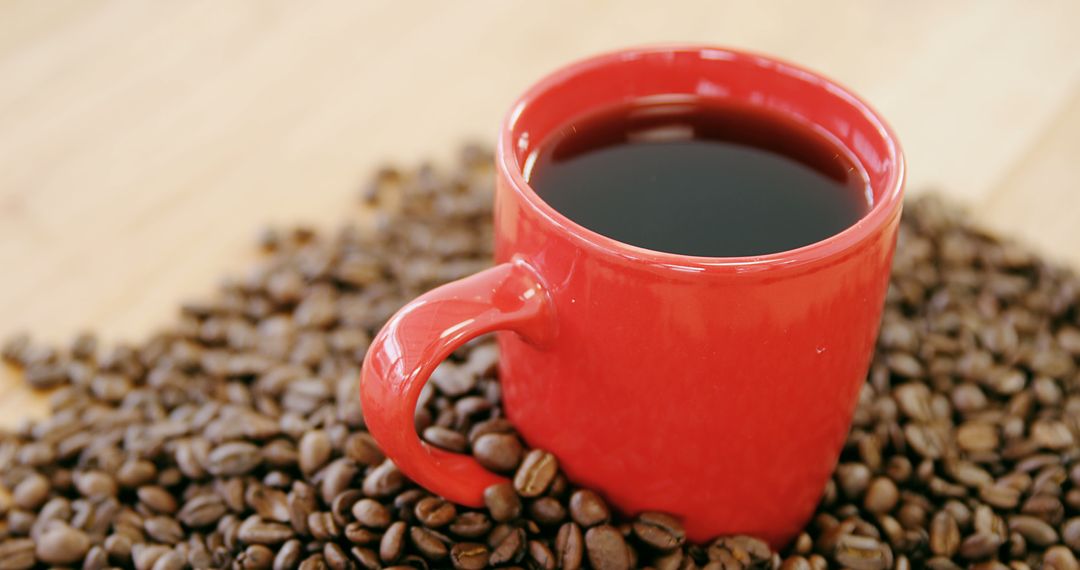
(588, 509)
(547, 511)
(31, 492)
(980, 546)
(392, 544)
(606, 548)
(233, 458)
(536, 472)
(202, 510)
(862, 553)
(314, 451)
(502, 502)
(469, 556)
(383, 481)
(1070, 533)
(434, 512)
(470, 525)
(540, 555)
(1059, 558)
(288, 555)
(257, 531)
(322, 526)
(157, 499)
(509, 548)
(163, 529)
(256, 557)
(500, 452)
(371, 513)
(660, 531)
(882, 496)
(361, 448)
(569, 546)
(944, 534)
(1035, 531)
(447, 439)
(61, 544)
(365, 557)
(336, 558)
(428, 542)
(17, 554)
(336, 478)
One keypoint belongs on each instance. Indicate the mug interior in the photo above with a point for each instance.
(827, 108)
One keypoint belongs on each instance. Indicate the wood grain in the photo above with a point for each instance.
(144, 143)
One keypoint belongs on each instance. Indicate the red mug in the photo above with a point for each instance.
(718, 389)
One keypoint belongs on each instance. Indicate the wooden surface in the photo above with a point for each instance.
(142, 144)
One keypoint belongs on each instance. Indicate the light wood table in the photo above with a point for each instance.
(143, 143)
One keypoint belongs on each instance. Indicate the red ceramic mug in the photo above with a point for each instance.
(719, 389)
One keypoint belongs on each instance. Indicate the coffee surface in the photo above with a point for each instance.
(697, 177)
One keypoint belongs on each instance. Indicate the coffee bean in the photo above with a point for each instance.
(882, 496)
(863, 553)
(547, 511)
(157, 499)
(336, 478)
(536, 472)
(445, 438)
(234, 458)
(606, 548)
(288, 556)
(980, 546)
(31, 492)
(61, 544)
(202, 510)
(588, 509)
(569, 546)
(256, 557)
(659, 530)
(502, 502)
(314, 451)
(17, 554)
(322, 526)
(1034, 530)
(257, 531)
(383, 481)
(361, 448)
(163, 529)
(500, 452)
(944, 534)
(336, 558)
(1059, 558)
(428, 542)
(469, 556)
(510, 548)
(314, 562)
(357, 534)
(540, 555)
(434, 512)
(470, 525)
(393, 542)
(169, 561)
(365, 557)
(1070, 533)
(371, 513)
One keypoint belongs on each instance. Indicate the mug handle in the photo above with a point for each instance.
(509, 296)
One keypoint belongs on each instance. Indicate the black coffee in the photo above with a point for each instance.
(698, 177)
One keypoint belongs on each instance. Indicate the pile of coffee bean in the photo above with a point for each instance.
(235, 438)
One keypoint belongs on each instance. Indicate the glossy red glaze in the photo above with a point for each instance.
(718, 389)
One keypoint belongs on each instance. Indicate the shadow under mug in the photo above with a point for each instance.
(716, 389)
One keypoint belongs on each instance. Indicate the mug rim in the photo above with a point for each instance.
(885, 208)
